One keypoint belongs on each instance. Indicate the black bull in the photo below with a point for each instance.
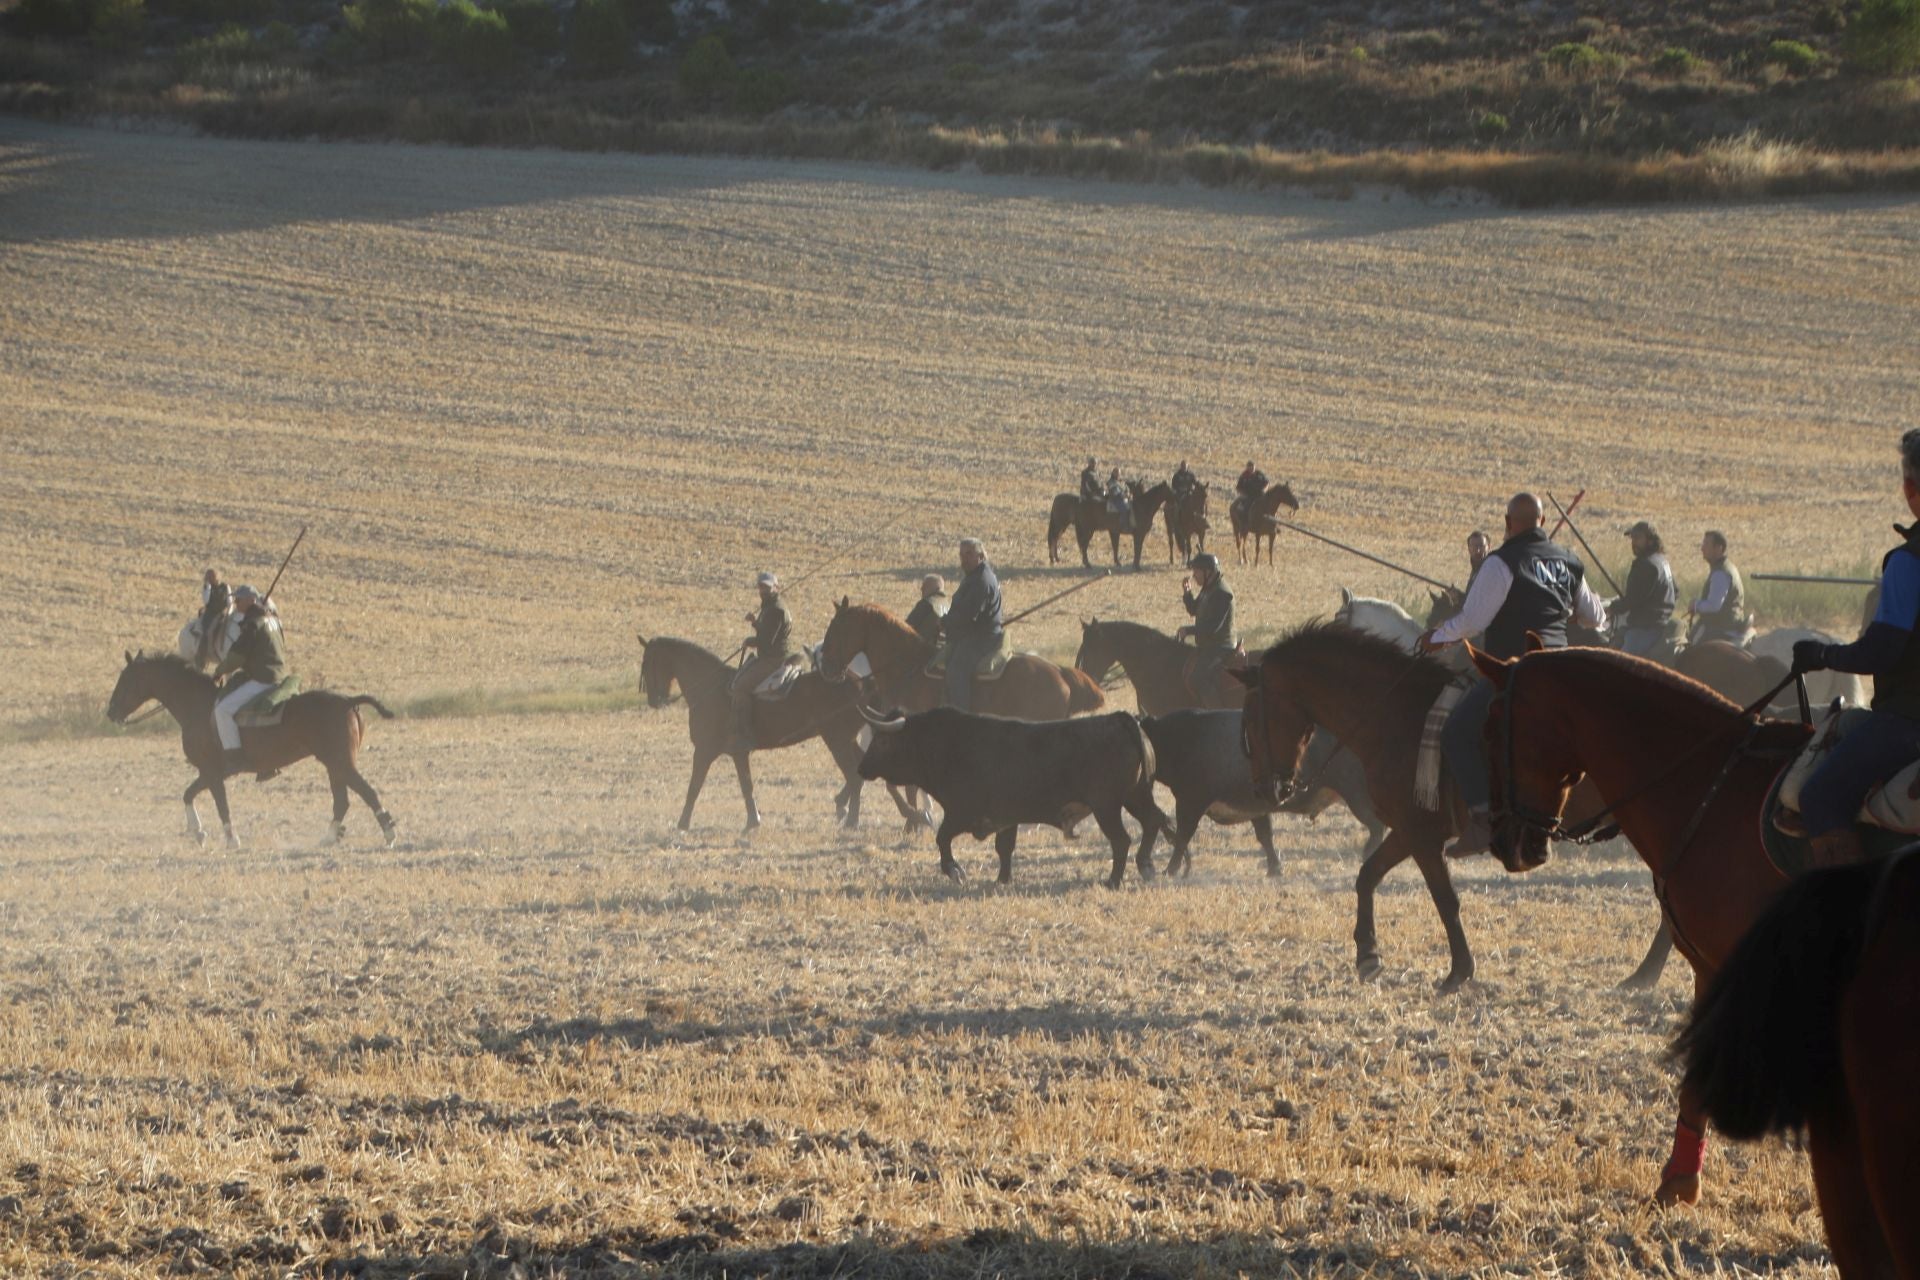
(991, 774)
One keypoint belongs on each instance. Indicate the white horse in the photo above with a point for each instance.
(1389, 621)
(1822, 686)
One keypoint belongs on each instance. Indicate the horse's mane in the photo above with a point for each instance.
(674, 645)
(881, 614)
(1125, 627)
(1268, 503)
(1651, 672)
(1318, 637)
(171, 660)
(1388, 605)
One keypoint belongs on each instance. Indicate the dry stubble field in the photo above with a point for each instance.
(530, 403)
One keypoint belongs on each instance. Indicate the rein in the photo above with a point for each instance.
(1339, 745)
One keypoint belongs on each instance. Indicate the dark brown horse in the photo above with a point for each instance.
(1159, 666)
(1187, 525)
(1089, 516)
(1259, 520)
(815, 708)
(1688, 775)
(1737, 674)
(1813, 1026)
(1030, 688)
(1373, 697)
(320, 724)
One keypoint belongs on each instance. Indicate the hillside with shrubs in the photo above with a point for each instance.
(1548, 101)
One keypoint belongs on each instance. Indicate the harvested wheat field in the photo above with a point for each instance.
(530, 403)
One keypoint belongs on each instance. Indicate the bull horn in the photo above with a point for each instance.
(129, 654)
(642, 639)
(883, 724)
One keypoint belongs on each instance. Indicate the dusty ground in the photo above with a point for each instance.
(529, 403)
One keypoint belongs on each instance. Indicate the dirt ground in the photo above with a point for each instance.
(530, 403)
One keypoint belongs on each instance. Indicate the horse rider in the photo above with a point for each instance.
(1650, 595)
(1251, 483)
(1118, 503)
(772, 645)
(215, 599)
(1090, 482)
(256, 663)
(926, 615)
(1717, 613)
(973, 628)
(1889, 651)
(1212, 627)
(1182, 483)
(1529, 583)
(1478, 544)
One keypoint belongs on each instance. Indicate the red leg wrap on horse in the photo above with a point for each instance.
(1689, 1149)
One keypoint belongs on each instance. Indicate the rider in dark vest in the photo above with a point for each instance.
(772, 644)
(1090, 490)
(1889, 651)
(1650, 595)
(973, 627)
(1182, 484)
(1212, 628)
(926, 615)
(1528, 584)
(1719, 612)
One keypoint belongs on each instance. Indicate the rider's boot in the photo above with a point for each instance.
(234, 760)
(1477, 838)
(1837, 848)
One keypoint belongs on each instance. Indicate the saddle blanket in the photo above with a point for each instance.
(780, 683)
(1895, 805)
(991, 667)
(1426, 769)
(267, 710)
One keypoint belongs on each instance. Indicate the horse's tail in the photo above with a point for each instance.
(1762, 1048)
(368, 700)
(1083, 691)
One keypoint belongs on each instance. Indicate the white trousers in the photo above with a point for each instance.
(229, 706)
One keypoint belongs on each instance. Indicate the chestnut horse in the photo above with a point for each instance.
(815, 708)
(1373, 697)
(1030, 688)
(1089, 516)
(1156, 663)
(1258, 520)
(1814, 1025)
(1685, 774)
(320, 724)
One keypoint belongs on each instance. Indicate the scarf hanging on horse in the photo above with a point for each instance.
(1426, 770)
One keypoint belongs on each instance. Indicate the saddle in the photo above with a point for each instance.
(780, 683)
(1224, 685)
(1427, 764)
(270, 707)
(991, 667)
(1893, 806)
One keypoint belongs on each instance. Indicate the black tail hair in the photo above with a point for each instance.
(1763, 1048)
(368, 700)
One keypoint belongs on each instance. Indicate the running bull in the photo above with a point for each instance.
(991, 774)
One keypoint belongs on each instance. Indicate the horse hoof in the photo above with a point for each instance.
(954, 872)
(1112, 882)
(1452, 983)
(1273, 872)
(1368, 967)
(1678, 1188)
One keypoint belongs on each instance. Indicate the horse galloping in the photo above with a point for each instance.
(1259, 519)
(321, 724)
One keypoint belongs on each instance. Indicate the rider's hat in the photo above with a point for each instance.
(1205, 560)
(766, 579)
(244, 593)
(933, 585)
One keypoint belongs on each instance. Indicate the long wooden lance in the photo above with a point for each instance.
(823, 565)
(1367, 555)
(1597, 563)
(298, 539)
(1058, 595)
(1797, 577)
(1567, 514)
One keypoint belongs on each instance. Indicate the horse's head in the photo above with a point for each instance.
(1530, 769)
(1274, 729)
(657, 672)
(146, 677)
(846, 636)
(1096, 656)
(1197, 498)
(1443, 605)
(1283, 493)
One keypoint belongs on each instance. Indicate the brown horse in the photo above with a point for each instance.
(1687, 775)
(1737, 674)
(1373, 697)
(320, 724)
(1031, 688)
(1814, 1025)
(815, 708)
(1158, 665)
(1089, 516)
(1187, 525)
(1259, 520)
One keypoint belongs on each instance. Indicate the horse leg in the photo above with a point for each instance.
(1116, 833)
(1433, 865)
(371, 798)
(944, 839)
(1366, 945)
(337, 829)
(1151, 820)
(1647, 976)
(1855, 1236)
(1263, 831)
(1680, 1176)
(745, 773)
(1880, 1057)
(219, 788)
(1003, 845)
(1186, 821)
(702, 761)
(194, 829)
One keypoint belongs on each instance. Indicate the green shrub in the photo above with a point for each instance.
(777, 20)
(474, 41)
(278, 40)
(1675, 61)
(245, 12)
(228, 47)
(653, 21)
(1358, 53)
(1491, 124)
(391, 28)
(1580, 59)
(118, 24)
(1796, 58)
(599, 41)
(534, 24)
(759, 91)
(965, 72)
(1884, 37)
(53, 19)
(707, 72)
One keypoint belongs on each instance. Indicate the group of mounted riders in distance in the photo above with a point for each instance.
(1527, 709)
(1127, 508)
